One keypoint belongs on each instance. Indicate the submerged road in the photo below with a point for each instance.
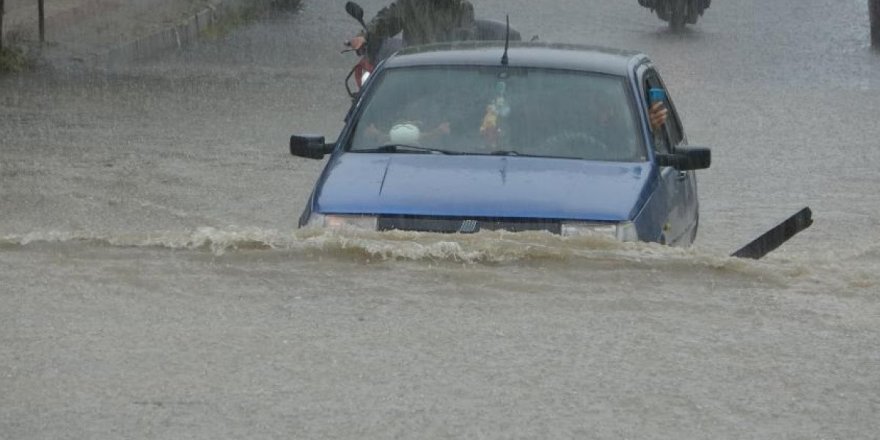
(152, 283)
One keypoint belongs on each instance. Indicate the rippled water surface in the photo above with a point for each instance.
(154, 283)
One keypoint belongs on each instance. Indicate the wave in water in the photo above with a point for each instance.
(485, 247)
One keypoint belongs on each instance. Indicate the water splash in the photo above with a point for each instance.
(488, 247)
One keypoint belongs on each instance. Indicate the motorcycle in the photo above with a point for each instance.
(677, 13)
(373, 52)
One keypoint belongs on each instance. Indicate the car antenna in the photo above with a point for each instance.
(506, 43)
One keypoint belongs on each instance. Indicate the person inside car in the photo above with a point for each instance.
(609, 115)
(657, 115)
(610, 127)
(405, 132)
(422, 22)
(420, 120)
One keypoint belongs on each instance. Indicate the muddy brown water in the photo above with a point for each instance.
(153, 283)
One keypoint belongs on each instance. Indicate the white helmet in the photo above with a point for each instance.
(405, 133)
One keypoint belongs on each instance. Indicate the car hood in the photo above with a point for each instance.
(482, 186)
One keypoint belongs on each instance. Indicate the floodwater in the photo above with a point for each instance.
(153, 283)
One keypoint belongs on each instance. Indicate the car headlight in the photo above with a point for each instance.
(342, 221)
(624, 231)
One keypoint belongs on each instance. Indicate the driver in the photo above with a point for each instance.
(422, 22)
(657, 115)
(610, 117)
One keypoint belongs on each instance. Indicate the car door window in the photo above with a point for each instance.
(673, 123)
(673, 126)
(662, 140)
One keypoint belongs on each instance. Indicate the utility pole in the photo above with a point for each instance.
(42, 11)
(874, 12)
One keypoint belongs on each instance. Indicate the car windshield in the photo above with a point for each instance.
(497, 110)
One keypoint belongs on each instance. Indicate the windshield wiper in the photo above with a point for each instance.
(394, 148)
(512, 153)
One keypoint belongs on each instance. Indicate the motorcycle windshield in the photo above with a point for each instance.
(487, 110)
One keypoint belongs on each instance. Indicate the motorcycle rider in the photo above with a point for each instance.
(652, 4)
(422, 22)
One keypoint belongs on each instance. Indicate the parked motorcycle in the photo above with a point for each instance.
(373, 52)
(677, 13)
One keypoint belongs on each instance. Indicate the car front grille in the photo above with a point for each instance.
(465, 225)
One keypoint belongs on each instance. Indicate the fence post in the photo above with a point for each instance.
(42, 11)
(1, 25)
(874, 11)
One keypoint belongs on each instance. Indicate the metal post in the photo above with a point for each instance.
(874, 12)
(42, 11)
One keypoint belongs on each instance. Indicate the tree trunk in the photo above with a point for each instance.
(874, 12)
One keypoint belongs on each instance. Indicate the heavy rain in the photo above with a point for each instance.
(154, 283)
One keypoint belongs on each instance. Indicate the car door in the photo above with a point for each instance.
(678, 186)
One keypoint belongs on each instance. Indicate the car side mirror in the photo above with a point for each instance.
(686, 158)
(309, 146)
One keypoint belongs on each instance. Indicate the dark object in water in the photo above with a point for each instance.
(775, 237)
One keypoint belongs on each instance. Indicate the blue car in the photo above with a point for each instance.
(466, 137)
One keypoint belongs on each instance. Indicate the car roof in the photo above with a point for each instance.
(520, 54)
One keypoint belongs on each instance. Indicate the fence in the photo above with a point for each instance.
(41, 17)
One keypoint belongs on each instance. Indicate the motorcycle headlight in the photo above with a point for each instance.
(333, 221)
(624, 231)
(365, 76)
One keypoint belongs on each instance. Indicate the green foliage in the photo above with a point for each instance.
(239, 16)
(13, 59)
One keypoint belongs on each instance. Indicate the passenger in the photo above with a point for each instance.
(422, 22)
(418, 123)
(405, 132)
